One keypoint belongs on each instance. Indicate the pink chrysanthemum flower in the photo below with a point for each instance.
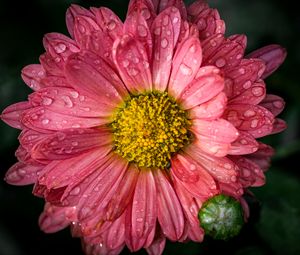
(132, 126)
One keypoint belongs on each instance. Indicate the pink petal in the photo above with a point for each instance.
(24, 156)
(273, 55)
(40, 118)
(250, 173)
(52, 66)
(165, 32)
(232, 189)
(29, 138)
(90, 74)
(254, 119)
(244, 144)
(158, 244)
(83, 29)
(54, 81)
(221, 168)
(12, 114)
(70, 102)
(274, 104)
(145, 7)
(136, 25)
(241, 77)
(253, 95)
(186, 63)
(221, 52)
(133, 65)
(190, 209)
(72, 171)
(59, 46)
(55, 218)
(102, 189)
(211, 109)
(241, 39)
(214, 137)
(192, 176)
(169, 211)
(207, 20)
(115, 236)
(279, 126)
(32, 75)
(71, 143)
(179, 4)
(123, 195)
(141, 217)
(22, 174)
(207, 85)
(108, 22)
(72, 13)
(262, 156)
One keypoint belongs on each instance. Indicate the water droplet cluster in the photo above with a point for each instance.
(149, 128)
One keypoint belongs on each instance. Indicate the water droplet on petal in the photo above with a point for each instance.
(133, 71)
(47, 101)
(164, 43)
(74, 94)
(60, 48)
(227, 166)
(247, 85)
(75, 143)
(220, 62)
(111, 25)
(139, 219)
(192, 167)
(75, 191)
(242, 70)
(45, 121)
(186, 70)
(257, 91)
(157, 31)
(125, 63)
(175, 20)
(249, 113)
(254, 123)
(68, 102)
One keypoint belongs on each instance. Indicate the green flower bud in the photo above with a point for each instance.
(221, 217)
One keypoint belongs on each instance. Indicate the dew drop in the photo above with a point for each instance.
(175, 20)
(185, 70)
(257, 91)
(146, 14)
(45, 121)
(227, 166)
(247, 85)
(68, 102)
(139, 219)
(220, 62)
(157, 31)
(111, 25)
(243, 141)
(76, 126)
(125, 63)
(60, 48)
(192, 167)
(254, 123)
(74, 94)
(164, 43)
(75, 191)
(242, 70)
(233, 178)
(47, 101)
(249, 113)
(133, 71)
(74, 143)
(165, 20)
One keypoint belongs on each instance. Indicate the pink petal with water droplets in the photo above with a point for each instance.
(115, 235)
(169, 211)
(274, 104)
(253, 95)
(123, 195)
(211, 109)
(279, 125)
(273, 55)
(254, 119)
(83, 72)
(221, 168)
(244, 144)
(144, 7)
(55, 218)
(40, 118)
(158, 244)
(70, 102)
(70, 143)
(102, 189)
(141, 215)
(178, 4)
(53, 66)
(190, 209)
(241, 39)
(12, 114)
(108, 22)
(209, 23)
(136, 25)
(165, 32)
(222, 52)
(186, 63)
(232, 189)
(24, 156)
(22, 174)
(131, 59)
(240, 78)
(208, 84)
(214, 137)
(59, 46)
(29, 138)
(192, 176)
(251, 175)
(72, 13)
(32, 75)
(262, 156)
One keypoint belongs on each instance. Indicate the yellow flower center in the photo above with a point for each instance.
(149, 128)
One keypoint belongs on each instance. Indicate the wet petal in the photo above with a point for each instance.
(186, 63)
(169, 212)
(274, 104)
(244, 144)
(158, 244)
(279, 125)
(12, 115)
(144, 7)
(165, 32)
(179, 4)
(210, 110)
(132, 62)
(32, 75)
(53, 66)
(273, 55)
(207, 85)
(214, 137)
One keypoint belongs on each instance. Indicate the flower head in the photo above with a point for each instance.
(133, 126)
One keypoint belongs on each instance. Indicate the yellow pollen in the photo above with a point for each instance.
(149, 128)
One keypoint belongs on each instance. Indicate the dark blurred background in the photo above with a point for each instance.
(274, 226)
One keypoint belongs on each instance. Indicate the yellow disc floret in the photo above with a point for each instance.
(149, 128)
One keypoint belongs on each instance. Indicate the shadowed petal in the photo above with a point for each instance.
(244, 144)
(274, 104)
